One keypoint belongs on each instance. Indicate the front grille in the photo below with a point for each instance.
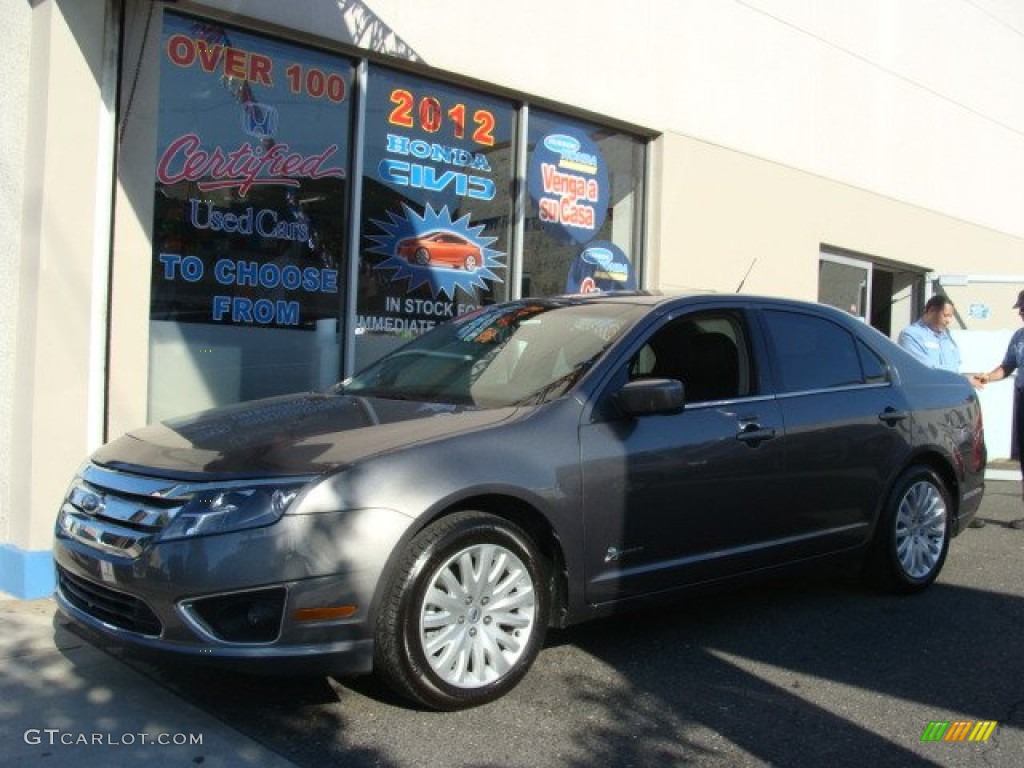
(108, 605)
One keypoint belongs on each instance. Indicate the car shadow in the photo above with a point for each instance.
(751, 667)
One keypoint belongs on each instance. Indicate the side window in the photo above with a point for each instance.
(707, 352)
(814, 353)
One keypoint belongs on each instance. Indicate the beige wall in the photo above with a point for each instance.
(50, 386)
(15, 33)
(718, 209)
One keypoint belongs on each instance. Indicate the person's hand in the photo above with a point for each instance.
(978, 380)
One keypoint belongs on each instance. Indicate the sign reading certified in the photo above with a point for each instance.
(250, 178)
(568, 181)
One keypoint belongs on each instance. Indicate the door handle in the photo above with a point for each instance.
(891, 416)
(753, 433)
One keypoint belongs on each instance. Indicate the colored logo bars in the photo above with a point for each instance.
(958, 730)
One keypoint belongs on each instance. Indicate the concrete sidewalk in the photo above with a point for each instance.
(1003, 469)
(65, 702)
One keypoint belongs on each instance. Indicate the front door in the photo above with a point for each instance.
(672, 499)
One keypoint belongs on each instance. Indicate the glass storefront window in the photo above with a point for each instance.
(583, 222)
(436, 214)
(250, 219)
(261, 252)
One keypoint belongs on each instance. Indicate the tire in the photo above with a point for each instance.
(422, 256)
(446, 636)
(912, 536)
(470, 263)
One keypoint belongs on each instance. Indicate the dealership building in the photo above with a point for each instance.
(211, 202)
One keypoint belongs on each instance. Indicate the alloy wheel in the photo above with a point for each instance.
(477, 616)
(920, 529)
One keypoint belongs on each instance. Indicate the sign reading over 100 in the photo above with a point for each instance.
(431, 115)
(252, 67)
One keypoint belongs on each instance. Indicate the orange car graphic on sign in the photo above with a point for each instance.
(440, 249)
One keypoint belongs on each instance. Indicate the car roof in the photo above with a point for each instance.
(655, 298)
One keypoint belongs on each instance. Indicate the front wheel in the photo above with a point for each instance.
(465, 613)
(912, 536)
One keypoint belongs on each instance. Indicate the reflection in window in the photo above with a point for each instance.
(522, 353)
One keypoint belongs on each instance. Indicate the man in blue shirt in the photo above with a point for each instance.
(929, 339)
(1013, 360)
(930, 342)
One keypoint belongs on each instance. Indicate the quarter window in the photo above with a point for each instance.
(875, 369)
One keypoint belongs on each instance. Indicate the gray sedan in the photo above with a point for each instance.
(533, 464)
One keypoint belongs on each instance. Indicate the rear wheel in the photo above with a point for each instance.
(465, 613)
(912, 536)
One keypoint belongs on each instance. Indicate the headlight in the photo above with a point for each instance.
(230, 509)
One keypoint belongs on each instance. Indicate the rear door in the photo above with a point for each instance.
(846, 423)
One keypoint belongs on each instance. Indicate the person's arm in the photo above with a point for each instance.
(996, 374)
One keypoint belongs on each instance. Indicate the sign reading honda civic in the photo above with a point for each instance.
(251, 178)
(436, 202)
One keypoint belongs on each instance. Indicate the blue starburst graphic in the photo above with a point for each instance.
(468, 272)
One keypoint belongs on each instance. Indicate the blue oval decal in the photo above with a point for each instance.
(562, 144)
(599, 256)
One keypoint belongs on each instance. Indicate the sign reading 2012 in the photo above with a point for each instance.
(430, 116)
(463, 176)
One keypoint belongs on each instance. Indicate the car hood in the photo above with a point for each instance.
(291, 435)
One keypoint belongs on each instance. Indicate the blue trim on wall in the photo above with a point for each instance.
(26, 575)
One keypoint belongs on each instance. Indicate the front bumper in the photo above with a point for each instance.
(292, 597)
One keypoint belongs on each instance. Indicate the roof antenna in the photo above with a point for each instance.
(740, 286)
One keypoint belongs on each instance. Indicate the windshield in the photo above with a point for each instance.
(522, 352)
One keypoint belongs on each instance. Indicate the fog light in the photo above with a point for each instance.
(245, 617)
